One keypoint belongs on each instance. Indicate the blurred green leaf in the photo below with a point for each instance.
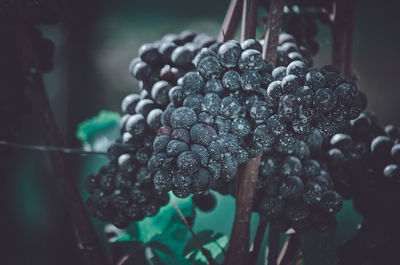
(155, 244)
(205, 237)
(100, 131)
(103, 120)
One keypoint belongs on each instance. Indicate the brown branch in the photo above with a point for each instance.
(231, 21)
(86, 235)
(342, 36)
(273, 245)
(249, 20)
(262, 226)
(275, 16)
(239, 241)
(289, 251)
(203, 250)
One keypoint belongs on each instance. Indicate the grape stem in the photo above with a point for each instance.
(274, 23)
(203, 250)
(262, 227)
(249, 20)
(273, 245)
(289, 250)
(342, 36)
(248, 173)
(85, 232)
(239, 241)
(231, 21)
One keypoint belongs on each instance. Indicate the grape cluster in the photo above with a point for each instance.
(295, 190)
(209, 125)
(122, 191)
(310, 98)
(365, 162)
(167, 59)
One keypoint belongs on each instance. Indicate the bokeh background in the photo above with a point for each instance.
(95, 41)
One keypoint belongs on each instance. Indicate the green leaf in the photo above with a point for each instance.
(98, 132)
(205, 237)
(166, 221)
(160, 246)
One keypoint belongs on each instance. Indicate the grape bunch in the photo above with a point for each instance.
(209, 125)
(167, 59)
(295, 190)
(122, 191)
(365, 162)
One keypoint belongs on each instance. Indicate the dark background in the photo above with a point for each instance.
(95, 40)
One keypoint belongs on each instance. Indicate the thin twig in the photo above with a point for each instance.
(262, 226)
(275, 16)
(342, 36)
(239, 241)
(273, 245)
(288, 253)
(249, 20)
(231, 21)
(86, 235)
(203, 250)
(46, 148)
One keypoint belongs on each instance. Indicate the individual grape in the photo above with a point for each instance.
(312, 193)
(211, 104)
(154, 119)
(214, 86)
(202, 134)
(240, 127)
(251, 44)
(175, 148)
(144, 106)
(315, 80)
(149, 53)
(346, 93)
(331, 202)
(230, 107)
(193, 102)
(202, 152)
(192, 83)
(250, 80)
(297, 68)
(188, 161)
(136, 124)
(175, 95)
(250, 60)
(231, 81)
(181, 56)
(129, 103)
(279, 73)
(205, 201)
(159, 92)
(260, 111)
(324, 100)
(229, 54)
(292, 166)
(291, 188)
(290, 83)
(229, 166)
(209, 67)
(201, 180)
(271, 207)
(183, 117)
